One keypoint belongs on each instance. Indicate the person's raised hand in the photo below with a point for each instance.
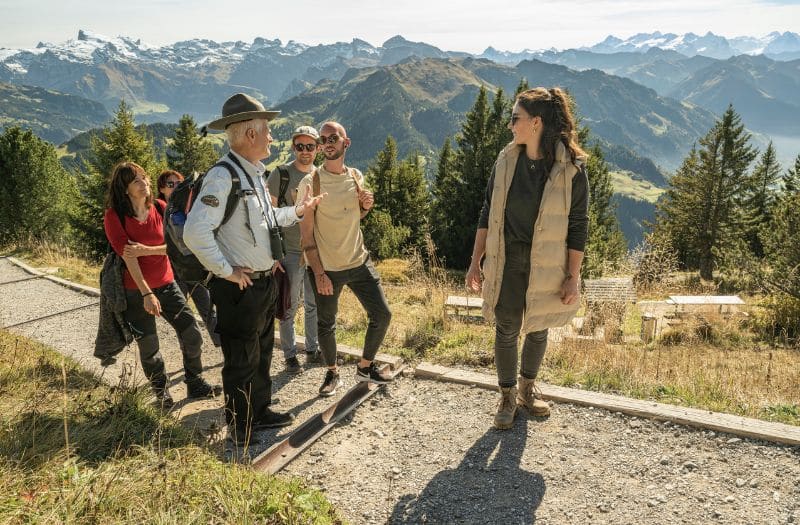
(309, 202)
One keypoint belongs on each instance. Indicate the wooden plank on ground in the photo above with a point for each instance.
(464, 302)
(430, 371)
(706, 299)
(737, 425)
(88, 290)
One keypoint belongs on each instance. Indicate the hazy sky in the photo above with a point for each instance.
(464, 25)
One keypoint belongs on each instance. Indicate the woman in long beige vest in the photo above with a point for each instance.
(532, 230)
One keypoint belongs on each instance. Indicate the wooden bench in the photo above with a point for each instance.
(467, 307)
(690, 304)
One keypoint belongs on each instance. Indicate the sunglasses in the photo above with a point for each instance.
(330, 139)
(171, 184)
(306, 147)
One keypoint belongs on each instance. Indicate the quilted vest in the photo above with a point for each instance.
(548, 250)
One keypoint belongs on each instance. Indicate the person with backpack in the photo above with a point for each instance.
(166, 183)
(282, 184)
(133, 226)
(240, 247)
(334, 249)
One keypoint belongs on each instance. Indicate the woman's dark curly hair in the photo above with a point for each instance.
(553, 106)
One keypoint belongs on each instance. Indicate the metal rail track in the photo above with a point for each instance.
(281, 453)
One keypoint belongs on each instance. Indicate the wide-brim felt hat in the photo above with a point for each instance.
(241, 107)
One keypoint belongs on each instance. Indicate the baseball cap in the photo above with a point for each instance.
(308, 131)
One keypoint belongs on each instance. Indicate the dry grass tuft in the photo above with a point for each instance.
(72, 265)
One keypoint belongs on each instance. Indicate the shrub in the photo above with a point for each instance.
(779, 316)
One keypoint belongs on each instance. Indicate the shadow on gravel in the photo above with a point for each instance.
(488, 486)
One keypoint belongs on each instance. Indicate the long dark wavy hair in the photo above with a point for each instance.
(117, 198)
(553, 106)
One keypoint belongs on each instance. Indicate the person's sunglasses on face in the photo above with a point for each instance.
(333, 138)
(306, 147)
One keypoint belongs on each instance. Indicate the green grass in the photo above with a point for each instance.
(628, 184)
(73, 450)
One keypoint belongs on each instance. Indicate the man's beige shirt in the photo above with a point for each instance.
(337, 224)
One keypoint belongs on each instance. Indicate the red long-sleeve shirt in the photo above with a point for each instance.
(156, 269)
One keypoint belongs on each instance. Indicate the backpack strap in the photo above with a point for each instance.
(233, 195)
(315, 182)
(284, 186)
(352, 173)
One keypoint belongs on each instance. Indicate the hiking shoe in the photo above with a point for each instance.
(201, 388)
(372, 374)
(507, 408)
(331, 383)
(242, 438)
(272, 419)
(293, 365)
(529, 396)
(108, 361)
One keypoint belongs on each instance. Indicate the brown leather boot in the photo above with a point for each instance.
(529, 396)
(507, 408)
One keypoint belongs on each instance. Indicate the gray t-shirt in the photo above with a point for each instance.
(291, 234)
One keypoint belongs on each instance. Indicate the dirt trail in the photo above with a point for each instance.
(425, 452)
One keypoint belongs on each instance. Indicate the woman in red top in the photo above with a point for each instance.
(149, 283)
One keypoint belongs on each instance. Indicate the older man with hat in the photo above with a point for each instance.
(240, 255)
(282, 184)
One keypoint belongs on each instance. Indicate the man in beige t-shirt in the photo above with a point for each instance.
(334, 249)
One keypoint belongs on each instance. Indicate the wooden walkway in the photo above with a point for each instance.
(737, 425)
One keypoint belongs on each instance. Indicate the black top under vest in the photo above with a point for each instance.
(525, 197)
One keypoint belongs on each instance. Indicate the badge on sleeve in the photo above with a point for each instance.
(210, 200)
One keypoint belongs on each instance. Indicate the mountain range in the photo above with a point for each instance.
(646, 98)
(51, 115)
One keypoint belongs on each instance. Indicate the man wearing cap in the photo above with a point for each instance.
(282, 184)
(239, 255)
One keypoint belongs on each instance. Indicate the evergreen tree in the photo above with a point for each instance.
(475, 158)
(401, 197)
(443, 206)
(703, 207)
(380, 176)
(522, 86)
(411, 202)
(38, 195)
(761, 199)
(676, 211)
(605, 246)
(499, 133)
(118, 142)
(791, 180)
(189, 151)
(782, 249)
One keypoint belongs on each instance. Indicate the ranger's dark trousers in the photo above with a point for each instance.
(245, 322)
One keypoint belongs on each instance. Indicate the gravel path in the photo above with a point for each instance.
(425, 452)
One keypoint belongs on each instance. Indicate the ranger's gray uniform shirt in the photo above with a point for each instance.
(233, 245)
